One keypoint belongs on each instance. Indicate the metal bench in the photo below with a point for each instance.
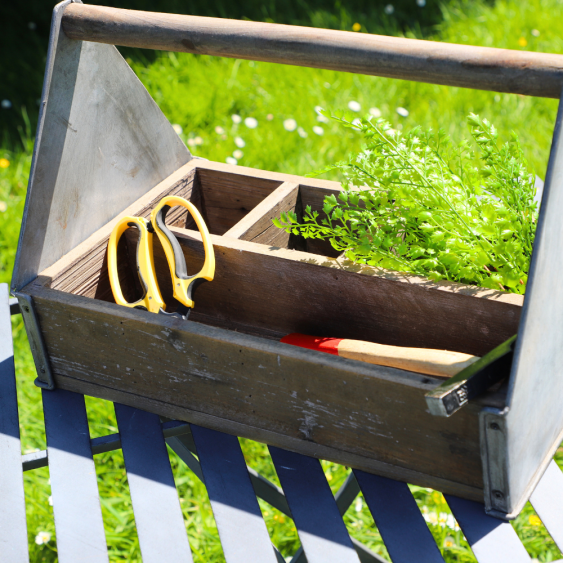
(233, 489)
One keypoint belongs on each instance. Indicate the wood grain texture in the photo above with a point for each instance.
(257, 226)
(229, 197)
(95, 152)
(310, 398)
(502, 70)
(317, 295)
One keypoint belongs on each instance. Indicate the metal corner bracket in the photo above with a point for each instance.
(38, 350)
(492, 430)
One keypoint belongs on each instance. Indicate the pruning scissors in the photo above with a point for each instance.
(183, 285)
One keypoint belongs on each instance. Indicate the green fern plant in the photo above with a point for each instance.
(416, 202)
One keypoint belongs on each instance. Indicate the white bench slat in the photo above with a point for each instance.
(13, 526)
(322, 532)
(398, 517)
(74, 487)
(547, 501)
(492, 540)
(242, 529)
(158, 516)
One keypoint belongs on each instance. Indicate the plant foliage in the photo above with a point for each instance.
(417, 202)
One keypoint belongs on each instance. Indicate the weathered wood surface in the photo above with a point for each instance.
(229, 197)
(533, 424)
(310, 402)
(335, 302)
(95, 152)
(257, 225)
(502, 70)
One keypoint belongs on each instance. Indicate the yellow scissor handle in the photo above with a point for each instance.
(183, 284)
(152, 300)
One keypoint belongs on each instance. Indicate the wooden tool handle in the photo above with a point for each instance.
(441, 363)
(484, 68)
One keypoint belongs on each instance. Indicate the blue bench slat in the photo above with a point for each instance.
(492, 540)
(74, 487)
(242, 529)
(320, 527)
(547, 501)
(398, 517)
(13, 527)
(158, 516)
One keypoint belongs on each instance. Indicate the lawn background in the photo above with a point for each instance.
(200, 95)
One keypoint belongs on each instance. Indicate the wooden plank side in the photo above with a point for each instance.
(74, 487)
(84, 270)
(95, 152)
(158, 516)
(320, 296)
(398, 517)
(242, 529)
(229, 197)
(492, 540)
(503, 70)
(13, 525)
(257, 226)
(362, 409)
(321, 530)
(547, 500)
(534, 419)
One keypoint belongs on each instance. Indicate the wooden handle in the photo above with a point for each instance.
(442, 363)
(484, 68)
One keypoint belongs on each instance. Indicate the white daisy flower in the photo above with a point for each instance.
(318, 130)
(177, 128)
(239, 142)
(403, 112)
(219, 130)
(421, 3)
(290, 125)
(357, 122)
(198, 141)
(354, 106)
(389, 9)
(302, 132)
(323, 119)
(231, 160)
(251, 122)
(191, 142)
(376, 112)
(238, 154)
(270, 116)
(236, 118)
(6, 104)
(42, 537)
(358, 504)
(535, 33)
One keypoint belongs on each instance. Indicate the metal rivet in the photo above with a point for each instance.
(499, 495)
(494, 426)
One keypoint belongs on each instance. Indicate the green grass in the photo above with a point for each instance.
(202, 94)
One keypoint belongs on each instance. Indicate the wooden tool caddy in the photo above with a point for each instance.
(104, 150)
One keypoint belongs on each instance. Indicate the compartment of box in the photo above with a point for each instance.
(225, 367)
